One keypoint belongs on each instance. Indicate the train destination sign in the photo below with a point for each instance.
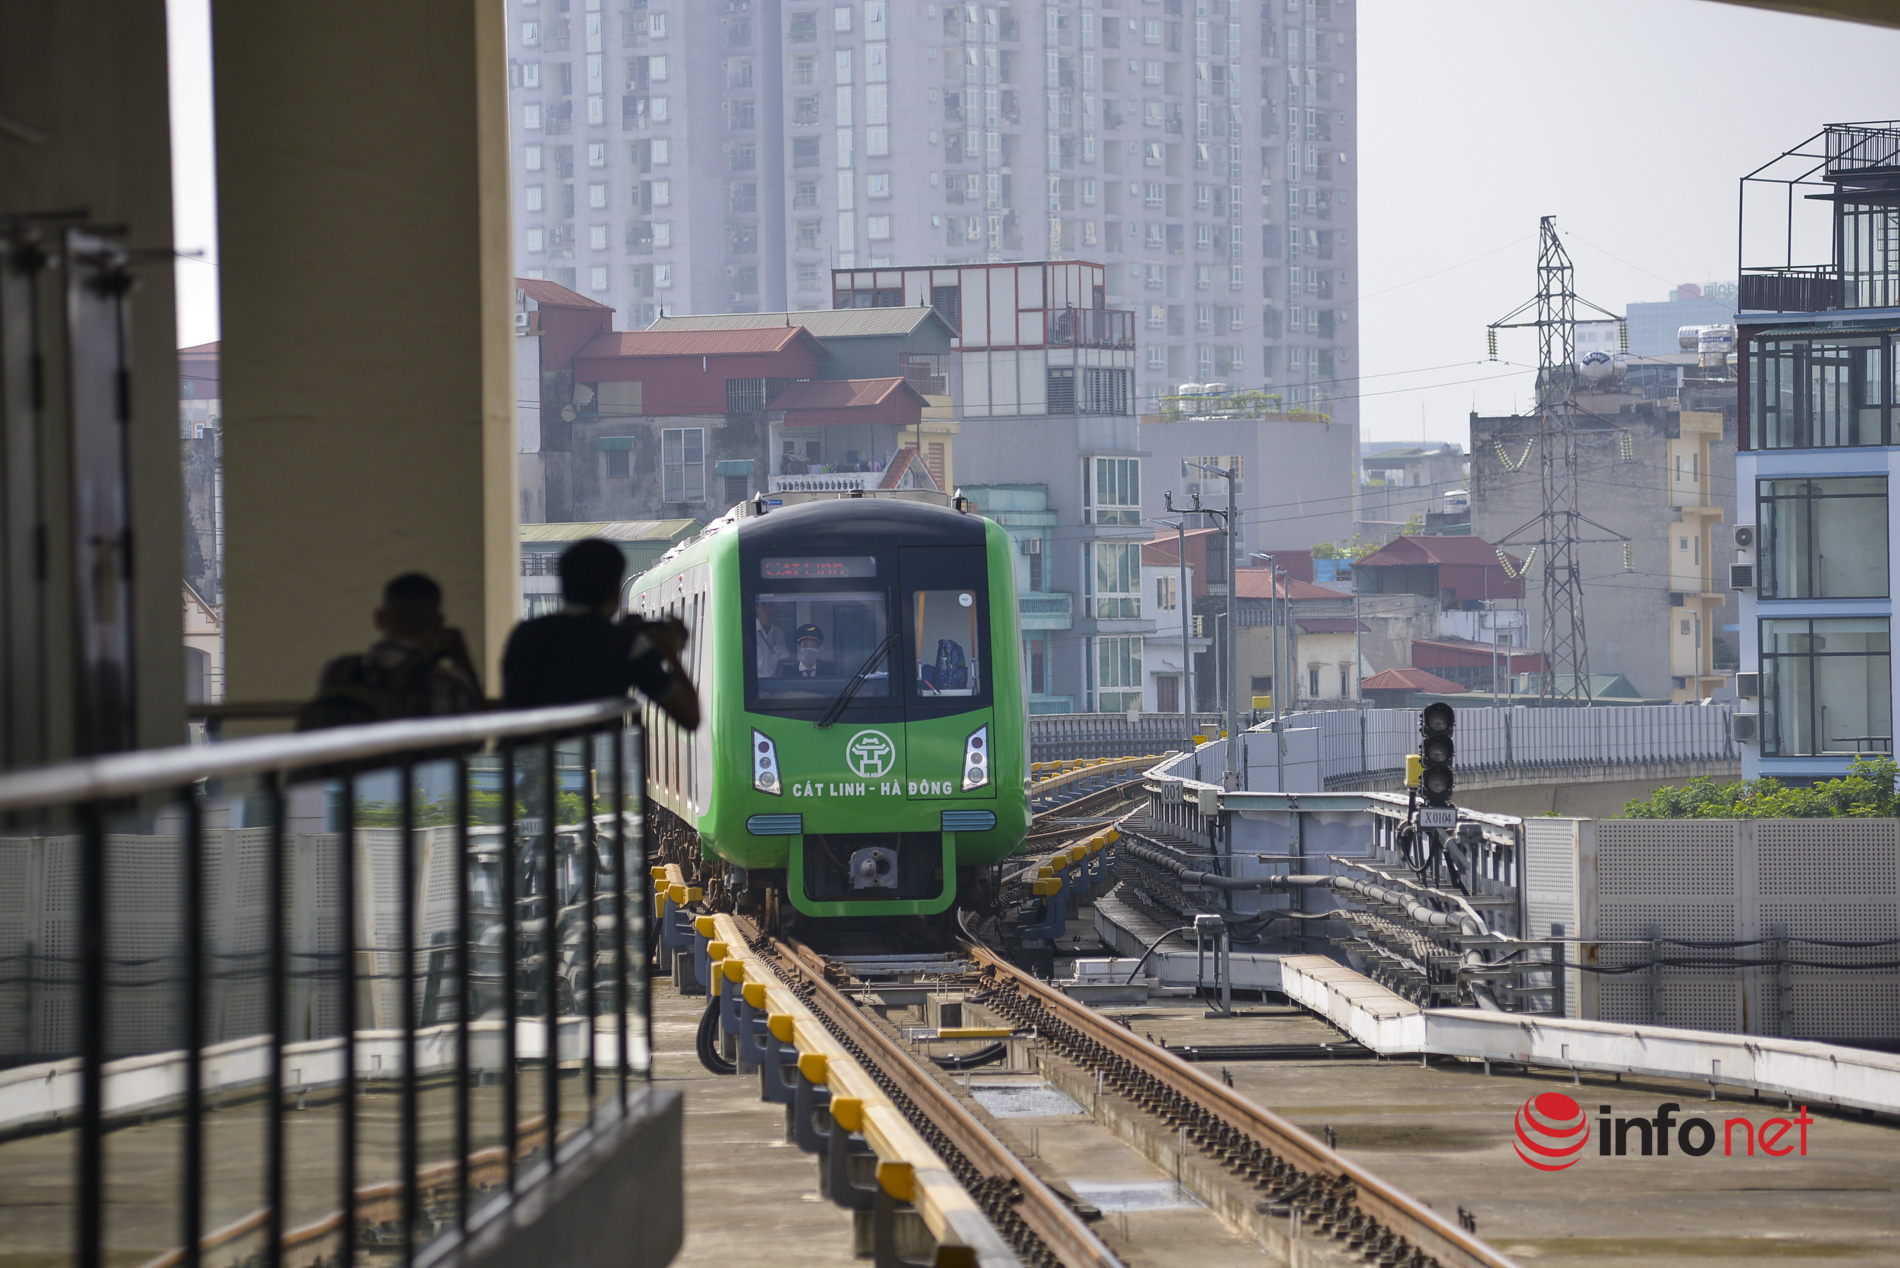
(818, 566)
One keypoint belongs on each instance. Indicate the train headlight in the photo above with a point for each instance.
(976, 759)
(764, 763)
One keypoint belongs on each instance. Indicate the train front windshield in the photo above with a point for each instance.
(808, 644)
(913, 621)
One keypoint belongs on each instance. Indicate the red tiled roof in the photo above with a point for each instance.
(553, 294)
(700, 343)
(1411, 680)
(1473, 552)
(840, 393)
(1257, 583)
(1331, 625)
(1472, 647)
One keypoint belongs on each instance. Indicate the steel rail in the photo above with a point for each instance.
(1046, 1215)
(1421, 1227)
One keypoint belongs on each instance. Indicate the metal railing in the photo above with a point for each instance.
(1357, 743)
(1798, 289)
(1090, 327)
(337, 997)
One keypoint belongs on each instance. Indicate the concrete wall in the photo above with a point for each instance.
(1624, 487)
(1297, 482)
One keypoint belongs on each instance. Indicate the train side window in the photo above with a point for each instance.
(946, 653)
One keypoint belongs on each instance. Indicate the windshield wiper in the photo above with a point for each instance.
(857, 680)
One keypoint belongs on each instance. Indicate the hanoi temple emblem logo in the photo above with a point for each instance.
(870, 754)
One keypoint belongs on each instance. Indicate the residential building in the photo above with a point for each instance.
(1819, 451)
(552, 325)
(1399, 481)
(1047, 615)
(1207, 154)
(1296, 466)
(1453, 605)
(1043, 378)
(910, 343)
(1655, 443)
(1272, 612)
(1162, 658)
(642, 542)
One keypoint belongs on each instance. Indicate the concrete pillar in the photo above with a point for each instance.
(84, 130)
(368, 383)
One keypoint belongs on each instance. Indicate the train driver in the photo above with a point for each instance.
(773, 648)
(811, 642)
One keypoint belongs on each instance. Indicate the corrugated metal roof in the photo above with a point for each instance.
(1257, 583)
(553, 294)
(612, 530)
(839, 393)
(699, 343)
(1412, 680)
(825, 323)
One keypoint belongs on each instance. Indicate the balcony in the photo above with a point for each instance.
(1803, 289)
(828, 482)
(1089, 327)
(1046, 610)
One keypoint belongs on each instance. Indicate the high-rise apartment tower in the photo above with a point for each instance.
(725, 155)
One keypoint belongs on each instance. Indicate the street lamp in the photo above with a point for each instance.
(1181, 601)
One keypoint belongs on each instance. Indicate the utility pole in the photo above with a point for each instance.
(1557, 530)
(1181, 601)
(1231, 516)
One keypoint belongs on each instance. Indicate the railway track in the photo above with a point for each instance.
(1264, 1178)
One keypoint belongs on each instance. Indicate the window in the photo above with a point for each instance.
(656, 68)
(804, 69)
(597, 238)
(1167, 590)
(531, 74)
(877, 142)
(618, 452)
(1112, 576)
(531, 158)
(805, 111)
(805, 195)
(877, 228)
(805, 235)
(1151, 194)
(876, 68)
(596, 154)
(841, 18)
(851, 624)
(537, 239)
(742, 239)
(1151, 74)
(1826, 687)
(662, 276)
(656, 26)
(740, 115)
(1811, 395)
(1823, 539)
(659, 110)
(533, 198)
(842, 65)
(805, 153)
(743, 156)
(1038, 665)
(531, 33)
(662, 193)
(659, 151)
(808, 278)
(662, 234)
(531, 114)
(803, 28)
(878, 185)
(1117, 684)
(597, 277)
(1157, 357)
(683, 464)
(1111, 491)
(597, 195)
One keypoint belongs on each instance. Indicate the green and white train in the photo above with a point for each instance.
(882, 771)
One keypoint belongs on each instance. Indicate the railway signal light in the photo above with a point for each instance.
(1435, 753)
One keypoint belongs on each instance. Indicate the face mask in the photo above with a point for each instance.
(808, 657)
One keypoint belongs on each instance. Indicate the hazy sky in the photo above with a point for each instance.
(1629, 120)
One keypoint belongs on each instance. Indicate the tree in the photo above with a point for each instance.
(1867, 791)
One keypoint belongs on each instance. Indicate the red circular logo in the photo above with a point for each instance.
(1552, 1130)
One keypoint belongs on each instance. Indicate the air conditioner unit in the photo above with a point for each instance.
(1744, 536)
(521, 323)
(1745, 728)
(1741, 576)
(1747, 686)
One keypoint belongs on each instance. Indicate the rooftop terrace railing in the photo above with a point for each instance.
(340, 997)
